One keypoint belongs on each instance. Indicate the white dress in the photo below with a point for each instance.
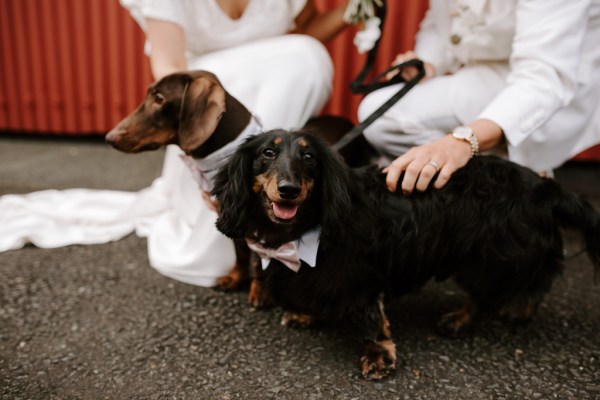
(282, 79)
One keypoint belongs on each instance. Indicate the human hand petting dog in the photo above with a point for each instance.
(422, 163)
(439, 159)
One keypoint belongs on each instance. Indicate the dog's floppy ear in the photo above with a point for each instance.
(335, 188)
(202, 106)
(233, 189)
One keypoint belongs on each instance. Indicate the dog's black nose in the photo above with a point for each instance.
(288, 190)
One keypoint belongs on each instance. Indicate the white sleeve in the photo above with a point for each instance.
(170, 11)
(544, 63)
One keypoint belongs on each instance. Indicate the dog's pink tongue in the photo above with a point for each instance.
(284, 211)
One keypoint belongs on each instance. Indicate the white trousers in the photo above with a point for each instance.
(283, 81)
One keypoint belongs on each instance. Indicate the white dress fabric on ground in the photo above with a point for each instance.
(282, 79)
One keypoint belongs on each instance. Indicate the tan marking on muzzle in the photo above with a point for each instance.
(267, 184)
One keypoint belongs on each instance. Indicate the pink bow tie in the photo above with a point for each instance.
(287, 253)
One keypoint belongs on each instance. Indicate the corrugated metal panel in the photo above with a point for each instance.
(68, 66)
(77, 67)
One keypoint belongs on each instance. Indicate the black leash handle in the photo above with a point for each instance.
(377, 84)
(358, 86)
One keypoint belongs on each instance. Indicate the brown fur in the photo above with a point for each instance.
(194, 111)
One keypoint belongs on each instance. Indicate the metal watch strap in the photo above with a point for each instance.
(474, 145)
(466, 134)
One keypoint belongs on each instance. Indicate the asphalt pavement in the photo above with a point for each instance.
(97, 322)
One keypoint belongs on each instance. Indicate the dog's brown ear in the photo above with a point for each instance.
(202, 107)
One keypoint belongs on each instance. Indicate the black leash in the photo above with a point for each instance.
(358, 129)
(358, 87)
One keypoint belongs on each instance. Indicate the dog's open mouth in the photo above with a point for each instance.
(284, 211)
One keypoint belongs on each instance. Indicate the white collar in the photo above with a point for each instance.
(205, 169)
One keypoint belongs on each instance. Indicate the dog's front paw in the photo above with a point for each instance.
(297, 320)
(379, 360)
(455, 324)
(234, 280)
(258, 296)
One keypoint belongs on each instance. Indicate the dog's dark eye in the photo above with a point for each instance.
(269, 152)
(308, 156)
(159, 98)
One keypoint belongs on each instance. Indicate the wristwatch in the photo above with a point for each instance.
(466, 134)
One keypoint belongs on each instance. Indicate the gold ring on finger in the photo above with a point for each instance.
(434, 165)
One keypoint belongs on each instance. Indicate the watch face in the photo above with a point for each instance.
(462, 132)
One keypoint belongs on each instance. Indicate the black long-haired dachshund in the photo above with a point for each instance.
(494, 228)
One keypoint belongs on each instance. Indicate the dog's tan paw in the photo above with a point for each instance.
(379, 360)
(234, 280)
(519, 311)
(258, 296)
(455, 324)
(296, 320)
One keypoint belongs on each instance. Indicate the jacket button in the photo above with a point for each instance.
(455, 39)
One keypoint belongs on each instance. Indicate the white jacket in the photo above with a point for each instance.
(547, 51)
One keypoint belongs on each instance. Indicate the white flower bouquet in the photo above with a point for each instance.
(364, 11)
(358, 11)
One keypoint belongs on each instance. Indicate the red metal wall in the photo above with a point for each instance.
(77, 67)
(68, 66)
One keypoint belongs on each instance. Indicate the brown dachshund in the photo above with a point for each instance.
(190, 109)
(194, 111)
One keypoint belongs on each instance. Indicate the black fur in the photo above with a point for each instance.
(494, 228)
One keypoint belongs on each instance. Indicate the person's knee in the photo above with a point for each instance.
(394, 132)
(375, 135)
(368, 105)
(304, 45)
(310, 59)
(375, 132)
